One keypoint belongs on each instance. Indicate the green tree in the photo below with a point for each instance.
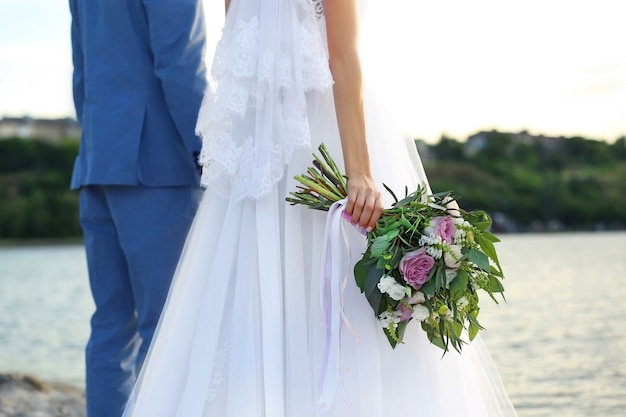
(576, 182)
(35, 199)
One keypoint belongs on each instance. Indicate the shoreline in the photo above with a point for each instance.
(70, 241)
(27, 395)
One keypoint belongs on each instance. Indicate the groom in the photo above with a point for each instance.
(139, 77)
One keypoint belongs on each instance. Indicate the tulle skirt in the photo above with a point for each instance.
(242, 333)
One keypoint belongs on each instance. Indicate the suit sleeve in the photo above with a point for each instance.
(78, 75)
(177, 39)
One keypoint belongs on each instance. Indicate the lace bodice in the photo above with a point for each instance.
(253, 115)
(254, 112)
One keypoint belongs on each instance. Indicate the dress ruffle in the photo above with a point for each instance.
(253, 116)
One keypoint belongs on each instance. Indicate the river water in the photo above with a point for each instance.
(559, 341)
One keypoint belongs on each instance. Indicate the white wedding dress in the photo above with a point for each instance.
(243, 331)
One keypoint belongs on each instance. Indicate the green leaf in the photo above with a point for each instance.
(392, 234)
(397, 257)
(405, 222)
(459, 283)
(496, 272)
(430, 286)
(393, 341)
(433, 337)
(442, 332)
(472, 316)
(443, 194)
(479, 219)
(440, 278)
(360, 271)
(413, 197)
(379, 246)
(381, 263)
(490, 236)
(457, 328)
(474, 326)
(479, 258)
(472, 331)
(395, 199)
(401, 329)
(372, 293)
(488, 248)
(494, 285)
(437, 206)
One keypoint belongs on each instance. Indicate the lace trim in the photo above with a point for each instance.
(318, 6)
(253, 115)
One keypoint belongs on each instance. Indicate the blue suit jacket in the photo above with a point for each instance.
(139, 78)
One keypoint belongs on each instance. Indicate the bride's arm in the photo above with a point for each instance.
(365, 203)
(226, 4)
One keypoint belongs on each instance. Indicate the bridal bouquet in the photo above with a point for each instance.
(426, 260)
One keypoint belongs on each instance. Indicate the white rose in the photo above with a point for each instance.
(417, 298)
(462, 303)
(397, 293)
(452, 256)
(385, 283)
(388, 285)
(420, 312)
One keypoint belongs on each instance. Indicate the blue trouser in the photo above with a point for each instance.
(133, 239)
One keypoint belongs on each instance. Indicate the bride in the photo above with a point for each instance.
(242, 333)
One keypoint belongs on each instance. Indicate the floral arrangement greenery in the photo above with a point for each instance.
(426, 260)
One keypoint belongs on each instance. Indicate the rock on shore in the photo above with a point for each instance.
(27, 396)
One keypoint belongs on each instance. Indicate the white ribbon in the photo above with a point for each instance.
(336, 271)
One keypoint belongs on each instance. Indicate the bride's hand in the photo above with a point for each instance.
(365, 201)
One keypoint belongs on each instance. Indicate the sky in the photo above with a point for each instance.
(456, 67)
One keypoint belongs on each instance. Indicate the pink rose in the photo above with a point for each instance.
(415, 267)
(442, 226)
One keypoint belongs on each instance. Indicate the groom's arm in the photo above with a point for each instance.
(177, 38)
(78, 75)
